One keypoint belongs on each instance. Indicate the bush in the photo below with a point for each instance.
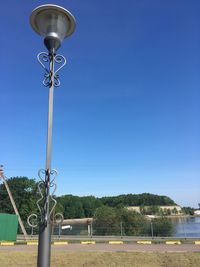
(119, 221)
(162, 227)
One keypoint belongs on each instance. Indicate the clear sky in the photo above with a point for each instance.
(127, 113)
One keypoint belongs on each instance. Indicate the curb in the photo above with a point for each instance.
(60, 243)
(32, 243)
(173, 242)
(7, 243)
(115, 242)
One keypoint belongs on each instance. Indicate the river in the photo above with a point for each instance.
(186, 227)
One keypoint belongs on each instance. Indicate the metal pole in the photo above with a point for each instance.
(121, 228)
(91, 230)
(151, 228)
(44, 245)
(59, 230)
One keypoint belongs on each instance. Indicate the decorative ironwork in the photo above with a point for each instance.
(59, 61)
(58, 218)
(41, 186)
(32, 222)
(55, 218)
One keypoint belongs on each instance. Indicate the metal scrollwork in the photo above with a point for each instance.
(41, 186)
(44, 59)
(32, 220)
(47, 179)
(58, 219)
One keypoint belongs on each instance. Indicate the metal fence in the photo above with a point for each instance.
(181, 229)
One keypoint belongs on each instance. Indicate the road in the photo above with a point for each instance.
(110, 248)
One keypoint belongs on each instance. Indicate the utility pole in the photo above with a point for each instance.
(2, 176)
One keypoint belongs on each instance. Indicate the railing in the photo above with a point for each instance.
(123, 231)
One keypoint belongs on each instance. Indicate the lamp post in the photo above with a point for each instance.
(53, 23)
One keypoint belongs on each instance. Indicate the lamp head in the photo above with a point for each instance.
(54, 23)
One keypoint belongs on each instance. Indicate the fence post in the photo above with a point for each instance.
(121, 229)
(151, 229)
(91, 230)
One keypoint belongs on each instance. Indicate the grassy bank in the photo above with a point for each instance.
(103, 259)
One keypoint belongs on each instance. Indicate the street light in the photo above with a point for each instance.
(53, 23)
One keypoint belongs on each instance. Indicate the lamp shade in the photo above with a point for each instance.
(54, 23)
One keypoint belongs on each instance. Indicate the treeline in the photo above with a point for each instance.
(144, 199)
(24, 192)
(79, 207)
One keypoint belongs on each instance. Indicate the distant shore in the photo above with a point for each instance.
(172, 216)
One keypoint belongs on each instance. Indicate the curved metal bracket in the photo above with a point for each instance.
(42, 186)
(58, 219)
(44, 60)
(32, 220)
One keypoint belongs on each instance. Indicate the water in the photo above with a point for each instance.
(187, 227)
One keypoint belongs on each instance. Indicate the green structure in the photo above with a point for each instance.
(8, 227)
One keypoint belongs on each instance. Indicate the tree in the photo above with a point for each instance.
(72, 206)
(110, 221)
(24, 194)
(188, 210)
(150, 210)
(162, 227)
(109, 212)
(144, 199)
(133, 223)
(90, 204)
(106, 221)
(78, 207)
(175, 211)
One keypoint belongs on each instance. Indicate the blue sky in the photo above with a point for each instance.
(127, 113)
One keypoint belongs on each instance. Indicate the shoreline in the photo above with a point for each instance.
(171, 216)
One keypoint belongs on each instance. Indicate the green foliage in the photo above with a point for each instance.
(106, 221)
(162, 227)
(133, 223)
(114, 221)
(78, 207)
(174, 211)
(90, 204)
(71, 206)
(109, 213)
(149, 210)
(24, 194)
(188, 210)
(144, 199)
